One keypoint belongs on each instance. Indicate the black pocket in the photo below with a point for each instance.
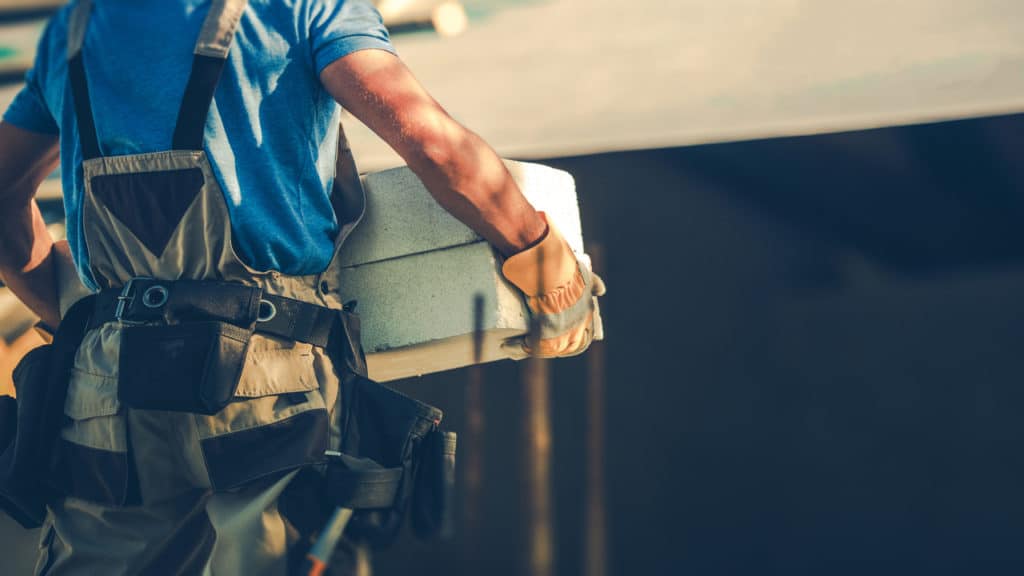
(190, 367)
(387, 428)
(433, 497)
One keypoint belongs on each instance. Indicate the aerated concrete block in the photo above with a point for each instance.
(415, 271)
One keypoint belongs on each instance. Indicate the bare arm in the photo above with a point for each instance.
(27, 252)
(459, 169)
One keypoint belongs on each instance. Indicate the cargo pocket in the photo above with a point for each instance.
(277, 421)
(434, 494)
(93, 459)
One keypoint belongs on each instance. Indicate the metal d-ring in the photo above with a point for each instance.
(154, 297)
(266, 312)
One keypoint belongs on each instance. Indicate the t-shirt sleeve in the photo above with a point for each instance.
(29, 110)
(338, 28)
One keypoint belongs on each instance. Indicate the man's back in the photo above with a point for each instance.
(271, 130)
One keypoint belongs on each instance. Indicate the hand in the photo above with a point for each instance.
(561, 293)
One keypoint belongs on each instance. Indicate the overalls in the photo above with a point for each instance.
(154, 491)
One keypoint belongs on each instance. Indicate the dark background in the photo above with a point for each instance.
(814, 363)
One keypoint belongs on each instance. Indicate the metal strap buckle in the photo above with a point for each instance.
(125, 299)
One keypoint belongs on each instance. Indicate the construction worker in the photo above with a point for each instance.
(198, 142)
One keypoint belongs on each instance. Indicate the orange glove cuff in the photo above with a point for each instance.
(548, 273)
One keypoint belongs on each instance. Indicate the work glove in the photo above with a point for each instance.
(561, 293)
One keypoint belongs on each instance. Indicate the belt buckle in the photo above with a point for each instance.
(125, 299)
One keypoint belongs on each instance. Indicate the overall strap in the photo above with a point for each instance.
(79, 87)
(211, 53)
(348, 199)
(347, 196)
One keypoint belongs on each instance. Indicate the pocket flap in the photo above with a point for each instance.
(277, 366)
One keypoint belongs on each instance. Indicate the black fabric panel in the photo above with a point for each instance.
(195, 104)
(83, 108)
(8, 421)
(150, 204)
(94, 475)
(234, 459)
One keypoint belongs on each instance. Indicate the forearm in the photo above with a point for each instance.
(469, 180)
(461, 171)
(26, 248)
(27, 257)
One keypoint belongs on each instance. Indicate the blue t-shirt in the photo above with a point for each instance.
(272, 129)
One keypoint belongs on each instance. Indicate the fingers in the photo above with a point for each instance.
(599, 287)
(515, 348)
(572, 343)
(598, 321)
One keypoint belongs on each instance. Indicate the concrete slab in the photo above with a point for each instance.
(415, 271)
(402, 218)
(417, 311)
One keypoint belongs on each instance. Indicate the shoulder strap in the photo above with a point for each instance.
(211, 52)
(79, 87)
(212, 47)
(347, 195)
(76, 26)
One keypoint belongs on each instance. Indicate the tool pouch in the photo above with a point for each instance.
(189, 358)
(391, 450)
(393, 459)
(384, 436)
(193, 367)
(41, 380)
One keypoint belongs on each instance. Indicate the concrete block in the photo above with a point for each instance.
(415, 271)
(403, 219)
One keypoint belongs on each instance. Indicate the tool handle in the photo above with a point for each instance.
(319, 555)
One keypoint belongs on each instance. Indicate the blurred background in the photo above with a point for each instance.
(809, 216)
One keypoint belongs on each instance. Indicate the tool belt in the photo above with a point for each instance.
(183, 346)
(184, 343)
